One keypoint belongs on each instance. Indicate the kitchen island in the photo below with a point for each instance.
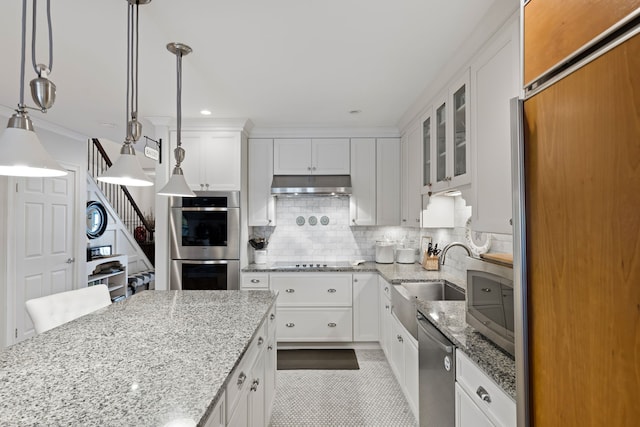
(157, 358)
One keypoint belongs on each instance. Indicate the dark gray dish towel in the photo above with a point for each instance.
(317, 359)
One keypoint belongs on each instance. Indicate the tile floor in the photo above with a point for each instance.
(370, 396)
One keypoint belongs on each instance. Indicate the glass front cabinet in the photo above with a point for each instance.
(445, 139)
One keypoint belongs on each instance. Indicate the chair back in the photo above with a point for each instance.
(53, 310)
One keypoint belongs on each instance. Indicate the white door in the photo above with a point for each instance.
(44, 218)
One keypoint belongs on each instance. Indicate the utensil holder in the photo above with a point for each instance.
(431, 263)
(260, 256)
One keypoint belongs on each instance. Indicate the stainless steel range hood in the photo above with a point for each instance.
(312, 185)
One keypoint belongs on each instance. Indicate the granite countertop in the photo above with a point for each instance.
(449, 318)
(157, 357)
(392, 273)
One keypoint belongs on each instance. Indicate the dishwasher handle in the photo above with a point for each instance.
(432, 333)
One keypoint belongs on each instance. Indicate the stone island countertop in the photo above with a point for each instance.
(157, 357)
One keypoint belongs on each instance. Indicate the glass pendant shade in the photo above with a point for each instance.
(126, 170)
(22, 154)
(177, 185)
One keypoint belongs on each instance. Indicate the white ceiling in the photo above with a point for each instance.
(276, 62)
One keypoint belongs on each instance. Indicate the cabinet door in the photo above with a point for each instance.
(330, 156)
(191, 165)
(262, 206)
(362, 203)
(240, 415)
(428, 152)
(292, 156)
(222, 161)
(315, 324)
(397, 351)
(467, 413)
(494, 77)
(387, 181)
(411, 164)
(257, 393)
(365, 307)
(441, 131)
(459, 159)
(270, 367)
(217, 417)
(411, 369)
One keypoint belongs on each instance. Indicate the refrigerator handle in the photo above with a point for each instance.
(519, 260)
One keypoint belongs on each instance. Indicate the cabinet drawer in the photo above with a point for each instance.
(312, 289)
(497, 405)
(314, 324)
(254, 281)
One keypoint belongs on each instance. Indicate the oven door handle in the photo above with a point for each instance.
(210, 209)
(201, 261)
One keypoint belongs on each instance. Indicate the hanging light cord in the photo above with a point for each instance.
(129, 37)
(33, 39)
(24, 30)
(179, 97)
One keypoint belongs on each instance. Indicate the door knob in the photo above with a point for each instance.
(70, 260)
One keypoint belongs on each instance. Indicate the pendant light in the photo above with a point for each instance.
(177, 185)
(127, 170)
(21, 153)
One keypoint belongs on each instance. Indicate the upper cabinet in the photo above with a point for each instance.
(375, 178)
(411, 197)
(494, 81)
(304, 156)
(445, 144)
(212, 159)
(262, 209)
(553, 30)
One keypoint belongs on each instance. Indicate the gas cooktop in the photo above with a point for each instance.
(302, 265)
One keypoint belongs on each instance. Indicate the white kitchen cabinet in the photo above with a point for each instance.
(385, 316)
(256, 395)
(365, 304)
(217, 417)
(387, 181)
(256, 281)
(362, 203)
(261, 204)
(304, 156)
(411, 202)
(375, 178)
(404, 362)
(497, 407)
(450, 157)
(213, 160)
(467, 412)
(494, 81)
(312, 289)
(270, 364)
(428, 142)
(315, 324)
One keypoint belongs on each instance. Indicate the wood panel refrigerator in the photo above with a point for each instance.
(577, 240)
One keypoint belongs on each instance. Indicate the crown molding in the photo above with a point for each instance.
(324, 132)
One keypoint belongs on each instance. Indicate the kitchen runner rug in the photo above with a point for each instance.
(317, 359)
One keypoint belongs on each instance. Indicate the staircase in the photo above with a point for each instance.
(121, 200)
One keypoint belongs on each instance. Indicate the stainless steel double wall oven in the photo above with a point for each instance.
(205, 241)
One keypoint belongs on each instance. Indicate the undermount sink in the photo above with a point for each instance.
(403, 298)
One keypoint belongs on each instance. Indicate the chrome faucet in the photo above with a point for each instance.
(449, 246)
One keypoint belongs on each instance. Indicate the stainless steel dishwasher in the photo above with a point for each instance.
(437, 376)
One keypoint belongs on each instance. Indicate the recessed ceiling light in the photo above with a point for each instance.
(205, 112)
(355, 111)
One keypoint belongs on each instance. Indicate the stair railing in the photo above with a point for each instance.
(118, 195)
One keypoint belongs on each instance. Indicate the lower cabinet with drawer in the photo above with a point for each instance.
(479, 400)
(311, 324)
(249, 394)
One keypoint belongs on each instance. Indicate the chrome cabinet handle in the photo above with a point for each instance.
(260, 341)
(332, 325)
(207, 186)
(202, 186)
(290, 325)
(254, 386)
(404, 220)
(355, 280)
(308, 168)
(331, 291)
(241, 378)
(386, 289)
(270, 221)
(386, 306)
(483, 394)
(313, 168)
(486, 289)
(273, 316)
(400, 339)
(270, 347)
(417, 219)
(255, 280)
(289, 291)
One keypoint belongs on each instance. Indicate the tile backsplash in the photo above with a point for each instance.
(338, 241)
